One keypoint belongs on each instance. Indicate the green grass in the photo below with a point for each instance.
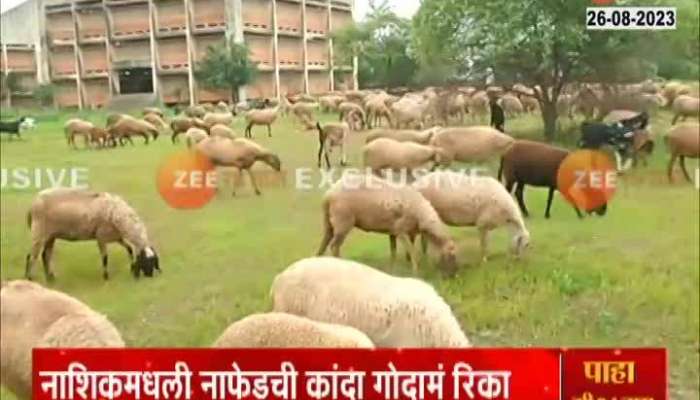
(629, 279)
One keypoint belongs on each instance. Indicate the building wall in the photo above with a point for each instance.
(82, 44)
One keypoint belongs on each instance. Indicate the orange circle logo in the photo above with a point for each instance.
(587, 179)
(187, 180)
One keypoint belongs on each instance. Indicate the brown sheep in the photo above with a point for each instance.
(77, 127)
(155, 120)
(180, 125)
(685, 106)
(536, 164)
(683, 141)
(153, 110)
(128, 127)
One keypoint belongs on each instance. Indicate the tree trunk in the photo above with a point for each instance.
(549, 117)
(234, 94)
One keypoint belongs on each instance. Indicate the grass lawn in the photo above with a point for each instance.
(628, 279)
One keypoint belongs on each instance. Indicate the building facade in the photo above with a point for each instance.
(96, 51)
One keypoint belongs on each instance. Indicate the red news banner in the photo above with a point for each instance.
(200, 374)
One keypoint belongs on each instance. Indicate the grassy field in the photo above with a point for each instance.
(628, 279)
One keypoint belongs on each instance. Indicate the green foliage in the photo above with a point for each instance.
(382, 44)
(226, 65)
(44, 94)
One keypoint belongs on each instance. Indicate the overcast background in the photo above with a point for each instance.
(405, 8)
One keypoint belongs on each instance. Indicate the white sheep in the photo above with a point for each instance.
(375, 205)
(409, 112)
(194, 136)
(222, 131)
(482, 202)
(472, 144)
(31, 317)
(217, 118)
(685, 106)
(403, 135)
(265, 117)
(282, 330)
(683, 141)
(77, 127)
(80, 214)
(511, 105)
(387, 154)
(394, 312)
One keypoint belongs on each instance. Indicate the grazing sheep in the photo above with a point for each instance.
(128, 126)
(194, 136)
(376, 110)
(222, 131)
(265, 117)
(36, 317)
(511, 105)
(196, 111)
(394, 312)
(409, 112)
(642, 141)
(479, 104)
(222, 108)
(387, 154)
(458, 107)
(405, 135)
(153, 110)
(238, 153)
(475, 201)
(99, 137)
(348, 107)
(181, 125)
(330, 103)
(305, 113)
(332, 135)
(156, 121)
(683, 141)
(211, 119)
(472, 144)
(536, 164)
(77, 127)
(113, 119)
(281, 330)
(674, 89)
(79, 215)
(685, 106)
(375, 205)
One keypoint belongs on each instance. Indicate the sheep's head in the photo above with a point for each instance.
(442, 158)
(448, 258)
(520, 243)
(273, 161)
(147, 262)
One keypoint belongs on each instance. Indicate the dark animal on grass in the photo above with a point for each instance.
(498, 116)
(80, 215)
(619, 136)
(12, 128)
(534, 164)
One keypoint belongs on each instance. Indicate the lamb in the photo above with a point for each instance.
(387, 154)
(129, 126)
(239, 153)
(99, 137)
(211, 119)
(281, 330)
(475, 201)
(332, 135)
(36, 317)
(79, 215)
(375, 205)
(472, 144)
(536, 164)
(405, 135)
(683, 141)
(222, 131)
(394, 312)
(685, 106)
(181, 125)
(77, 127)
(194, 136)
(266, 117)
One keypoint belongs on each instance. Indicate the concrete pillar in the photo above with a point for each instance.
(41, 61)
(108, 50)
(191, 85)
(331, 57)
(3, 47)
(78, 69)
(275, 50)
(154, 54)
(234, 29)
(305, 53)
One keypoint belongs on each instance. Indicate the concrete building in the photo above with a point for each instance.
(95, 52)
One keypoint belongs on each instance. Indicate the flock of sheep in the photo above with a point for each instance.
(317, 302)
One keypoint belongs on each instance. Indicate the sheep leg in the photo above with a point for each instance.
(670, 166)
(392, 249)
(252, 182)
(103, 253)
(484, 237)
(328, 159)
(128, 249)
(685, 171)
(46, 260)
(269, 131)
(327, 236)
(675, 119)
(519, 191)
(37, 246)
(415, 258)
(337, 242)
(550, 197)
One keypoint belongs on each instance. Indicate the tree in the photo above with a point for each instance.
(44, 94)
(226, 65)
(541, 43)
(381, 43)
